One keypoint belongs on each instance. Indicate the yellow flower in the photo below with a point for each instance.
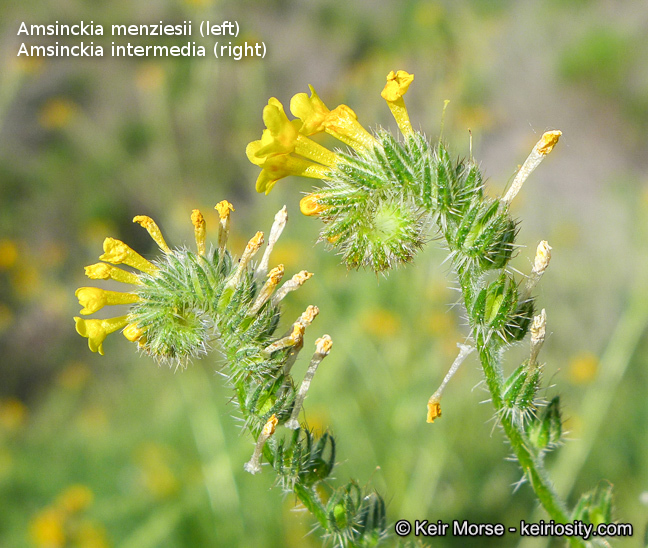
(132, 332)
(397, 85)
(224, 209)
(96, 331)
(200, 231)
(548, 141)
(8, 254)
(310, 110)
(281, 165)
(153, 230)
(117, 252)
(341, 122)
(309, 205)
(103, 271)
(282, 136)
(94, 298)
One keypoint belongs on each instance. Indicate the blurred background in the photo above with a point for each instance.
(115, 451)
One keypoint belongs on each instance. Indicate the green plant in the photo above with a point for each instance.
(184, 302)
(381, 199)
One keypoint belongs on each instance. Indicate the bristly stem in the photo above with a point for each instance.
(378, 202)
(532, 468)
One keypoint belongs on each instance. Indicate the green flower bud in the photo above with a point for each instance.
(595, 506)
(545, 431)
(318, 459)
(518, 325)
(520, 388)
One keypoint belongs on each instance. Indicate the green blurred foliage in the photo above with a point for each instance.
(86, 144)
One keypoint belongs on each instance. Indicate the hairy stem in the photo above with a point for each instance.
(532, 467)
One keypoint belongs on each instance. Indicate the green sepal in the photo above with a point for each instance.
(372, 519)
(275, 396)
(496, 303)
(518, 325)
(319, 460)
(595, 506)
(545, 431)
(342, 505)
(520, 388)
(444, 180)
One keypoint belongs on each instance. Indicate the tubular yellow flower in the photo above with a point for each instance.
(224, 209)
(397, 86)
(310, 110)
(153, 230)
(199, 230)
(103, 271)
(94, 298)
(96, 331)
(282, 165)
(132, 332)
(309, 205)
(283, 137)
(282, 131)
(342, 123)
(117, 252)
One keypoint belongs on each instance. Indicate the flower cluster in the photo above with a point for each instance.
(366, 221)
(183, 303)
(379, 200)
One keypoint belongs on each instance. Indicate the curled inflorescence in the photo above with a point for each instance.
(383, 197)
(184, 303)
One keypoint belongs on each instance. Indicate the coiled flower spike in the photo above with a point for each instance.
(378, 200)
(183, 303)
(383, 194)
